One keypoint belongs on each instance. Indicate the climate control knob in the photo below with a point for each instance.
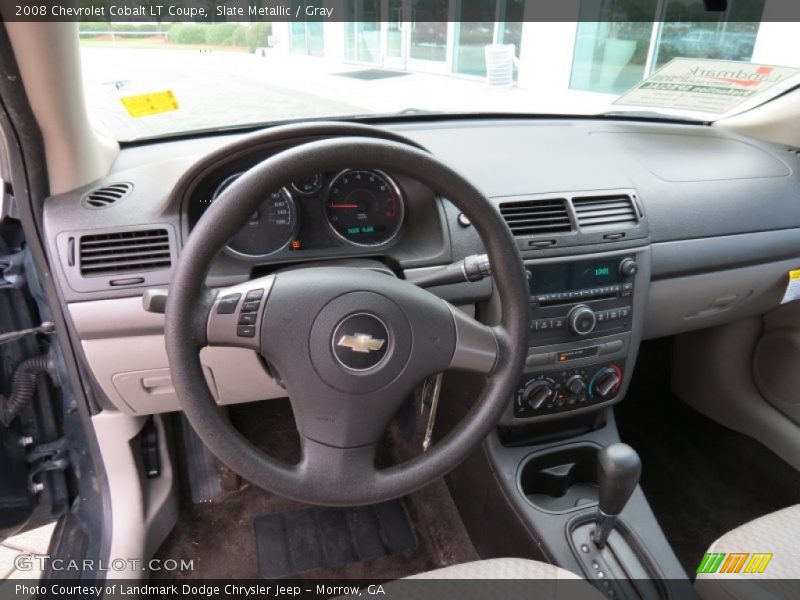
(537, 393)
(581, 320)
(575, 385)
(606, 382)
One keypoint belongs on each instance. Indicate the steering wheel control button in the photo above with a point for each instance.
(360, 342)
(247, 331)
(254, 295)
(227, 305)
(251, 306)
(247, 319)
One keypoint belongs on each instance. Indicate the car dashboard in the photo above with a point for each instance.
(628, 229)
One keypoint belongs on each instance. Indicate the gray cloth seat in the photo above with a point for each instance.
(499, 568)
(529, 579)
(777, 534)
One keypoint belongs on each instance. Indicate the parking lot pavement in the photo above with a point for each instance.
(35, 541)
(219, 88)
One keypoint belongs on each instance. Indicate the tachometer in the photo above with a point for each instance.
(271, 228)
(364, 207)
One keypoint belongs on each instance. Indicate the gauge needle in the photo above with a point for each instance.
(344, 205)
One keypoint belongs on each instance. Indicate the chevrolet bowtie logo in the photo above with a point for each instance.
(361, 342)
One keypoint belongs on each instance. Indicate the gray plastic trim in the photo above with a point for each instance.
(688, 257)
(125, 351)
(712, 372)
(683, 304)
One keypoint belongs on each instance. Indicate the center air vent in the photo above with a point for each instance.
(105, 196)
(536, 217)
(123, 252)
(597, 212)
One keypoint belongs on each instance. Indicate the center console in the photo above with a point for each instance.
(583, 333)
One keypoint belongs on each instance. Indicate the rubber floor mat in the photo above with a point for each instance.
(292, 542)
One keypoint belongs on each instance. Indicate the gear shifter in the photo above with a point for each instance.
(618, 470)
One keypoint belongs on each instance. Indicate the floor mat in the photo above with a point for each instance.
(293, 542)
(371, 74)
(702, 479)
(219, 536)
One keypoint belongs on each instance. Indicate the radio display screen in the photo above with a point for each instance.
(546, 279)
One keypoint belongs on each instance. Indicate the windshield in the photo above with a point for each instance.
(153, 79)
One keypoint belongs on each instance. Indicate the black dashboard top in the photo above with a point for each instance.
(688, 182)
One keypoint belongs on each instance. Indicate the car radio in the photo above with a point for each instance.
(583, 299)
(581, 335)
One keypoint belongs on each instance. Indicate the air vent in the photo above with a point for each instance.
(105, 196)
(536, 217)
(604, 212)
(112, 253)
(791, 150)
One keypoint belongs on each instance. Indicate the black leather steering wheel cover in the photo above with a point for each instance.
(222, 220)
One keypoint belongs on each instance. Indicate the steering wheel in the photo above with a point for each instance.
(349, 344)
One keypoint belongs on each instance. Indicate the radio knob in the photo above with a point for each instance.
(537, 393)
(581, 320)
(576, 385)
(628, 267)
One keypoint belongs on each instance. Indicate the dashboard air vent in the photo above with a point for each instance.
(792, 150)
(121, 252)
(536, 217)
(604, 211)
(105, 196)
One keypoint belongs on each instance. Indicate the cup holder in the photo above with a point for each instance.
(561, 479)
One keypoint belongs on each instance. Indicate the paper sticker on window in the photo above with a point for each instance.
(793, 287)
(711, 86)
(155, 103)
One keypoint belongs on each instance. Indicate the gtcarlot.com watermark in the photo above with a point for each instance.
(38, 562)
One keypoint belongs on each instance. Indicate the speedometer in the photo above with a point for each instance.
(271, 228)
(364, 207)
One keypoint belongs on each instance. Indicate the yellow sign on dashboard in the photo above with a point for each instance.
(155, 103)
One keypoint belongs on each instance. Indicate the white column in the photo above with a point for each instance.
(777, 44)
(280, 29)
(334, 41)
(545, 58)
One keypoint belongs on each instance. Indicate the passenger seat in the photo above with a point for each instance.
(772, 577)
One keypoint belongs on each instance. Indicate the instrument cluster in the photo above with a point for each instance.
(355, 207)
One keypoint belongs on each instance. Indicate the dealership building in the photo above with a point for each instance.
(604, 52)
